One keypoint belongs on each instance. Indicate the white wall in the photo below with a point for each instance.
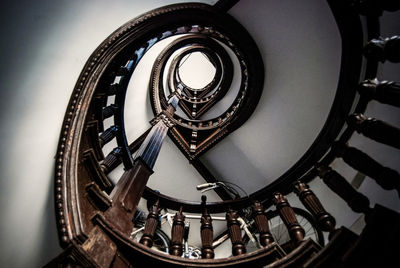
(44, 47)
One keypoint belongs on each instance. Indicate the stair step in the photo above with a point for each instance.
(379, 241)
(299, 256)
(331, 255)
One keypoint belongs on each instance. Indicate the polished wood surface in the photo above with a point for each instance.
(235, 233)
(262, 224)
(206, 232)
(307, 197)
(177, 234)
(288, 216)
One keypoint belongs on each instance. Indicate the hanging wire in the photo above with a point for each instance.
(185, 59)
(240, 188)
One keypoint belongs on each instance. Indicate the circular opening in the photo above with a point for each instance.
(196, 70)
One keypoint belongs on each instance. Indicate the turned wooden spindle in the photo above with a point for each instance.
(110, 159)
(262, 224)
(108, 135)
(206, 232)
(384, 49)
(311, 202)
(356, 201)
(386, 92)
(113, 159)
(113, 89)
(177, 234)
(375, 129)
(296, 232)
(122, 71)
(109, 111)
(235, 234)
(387, 178)
(150, 226)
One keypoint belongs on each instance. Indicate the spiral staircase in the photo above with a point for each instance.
(94, 215)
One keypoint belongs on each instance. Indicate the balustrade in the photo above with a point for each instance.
(383, 91)
(235, 234)
(375, 129)
(387, 178)
(150, 227)
(108, 135)
(356, 201)
(261, 222)
(311, 202)
(288, 216)
(206, 232)
(177, 234)
(384, 49)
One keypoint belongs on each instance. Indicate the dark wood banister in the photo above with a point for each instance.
(142, 166)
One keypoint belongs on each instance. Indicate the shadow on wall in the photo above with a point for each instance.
(45, 45)
(48, 246)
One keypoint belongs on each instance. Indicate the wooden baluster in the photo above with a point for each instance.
(392, 48)
(310, 201)
(206, 232)
(122, 71)
(150, 226)
(384, 49)
(262, 224)
(177, 233)
(99, 101)
(107, 135)
(113, 89)
(109, 111)
(110, 159)
(235, 234)
(387, 178)
(113, 159)
(356, 201)
(375, 129)
(382, 91)
(286, 212)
